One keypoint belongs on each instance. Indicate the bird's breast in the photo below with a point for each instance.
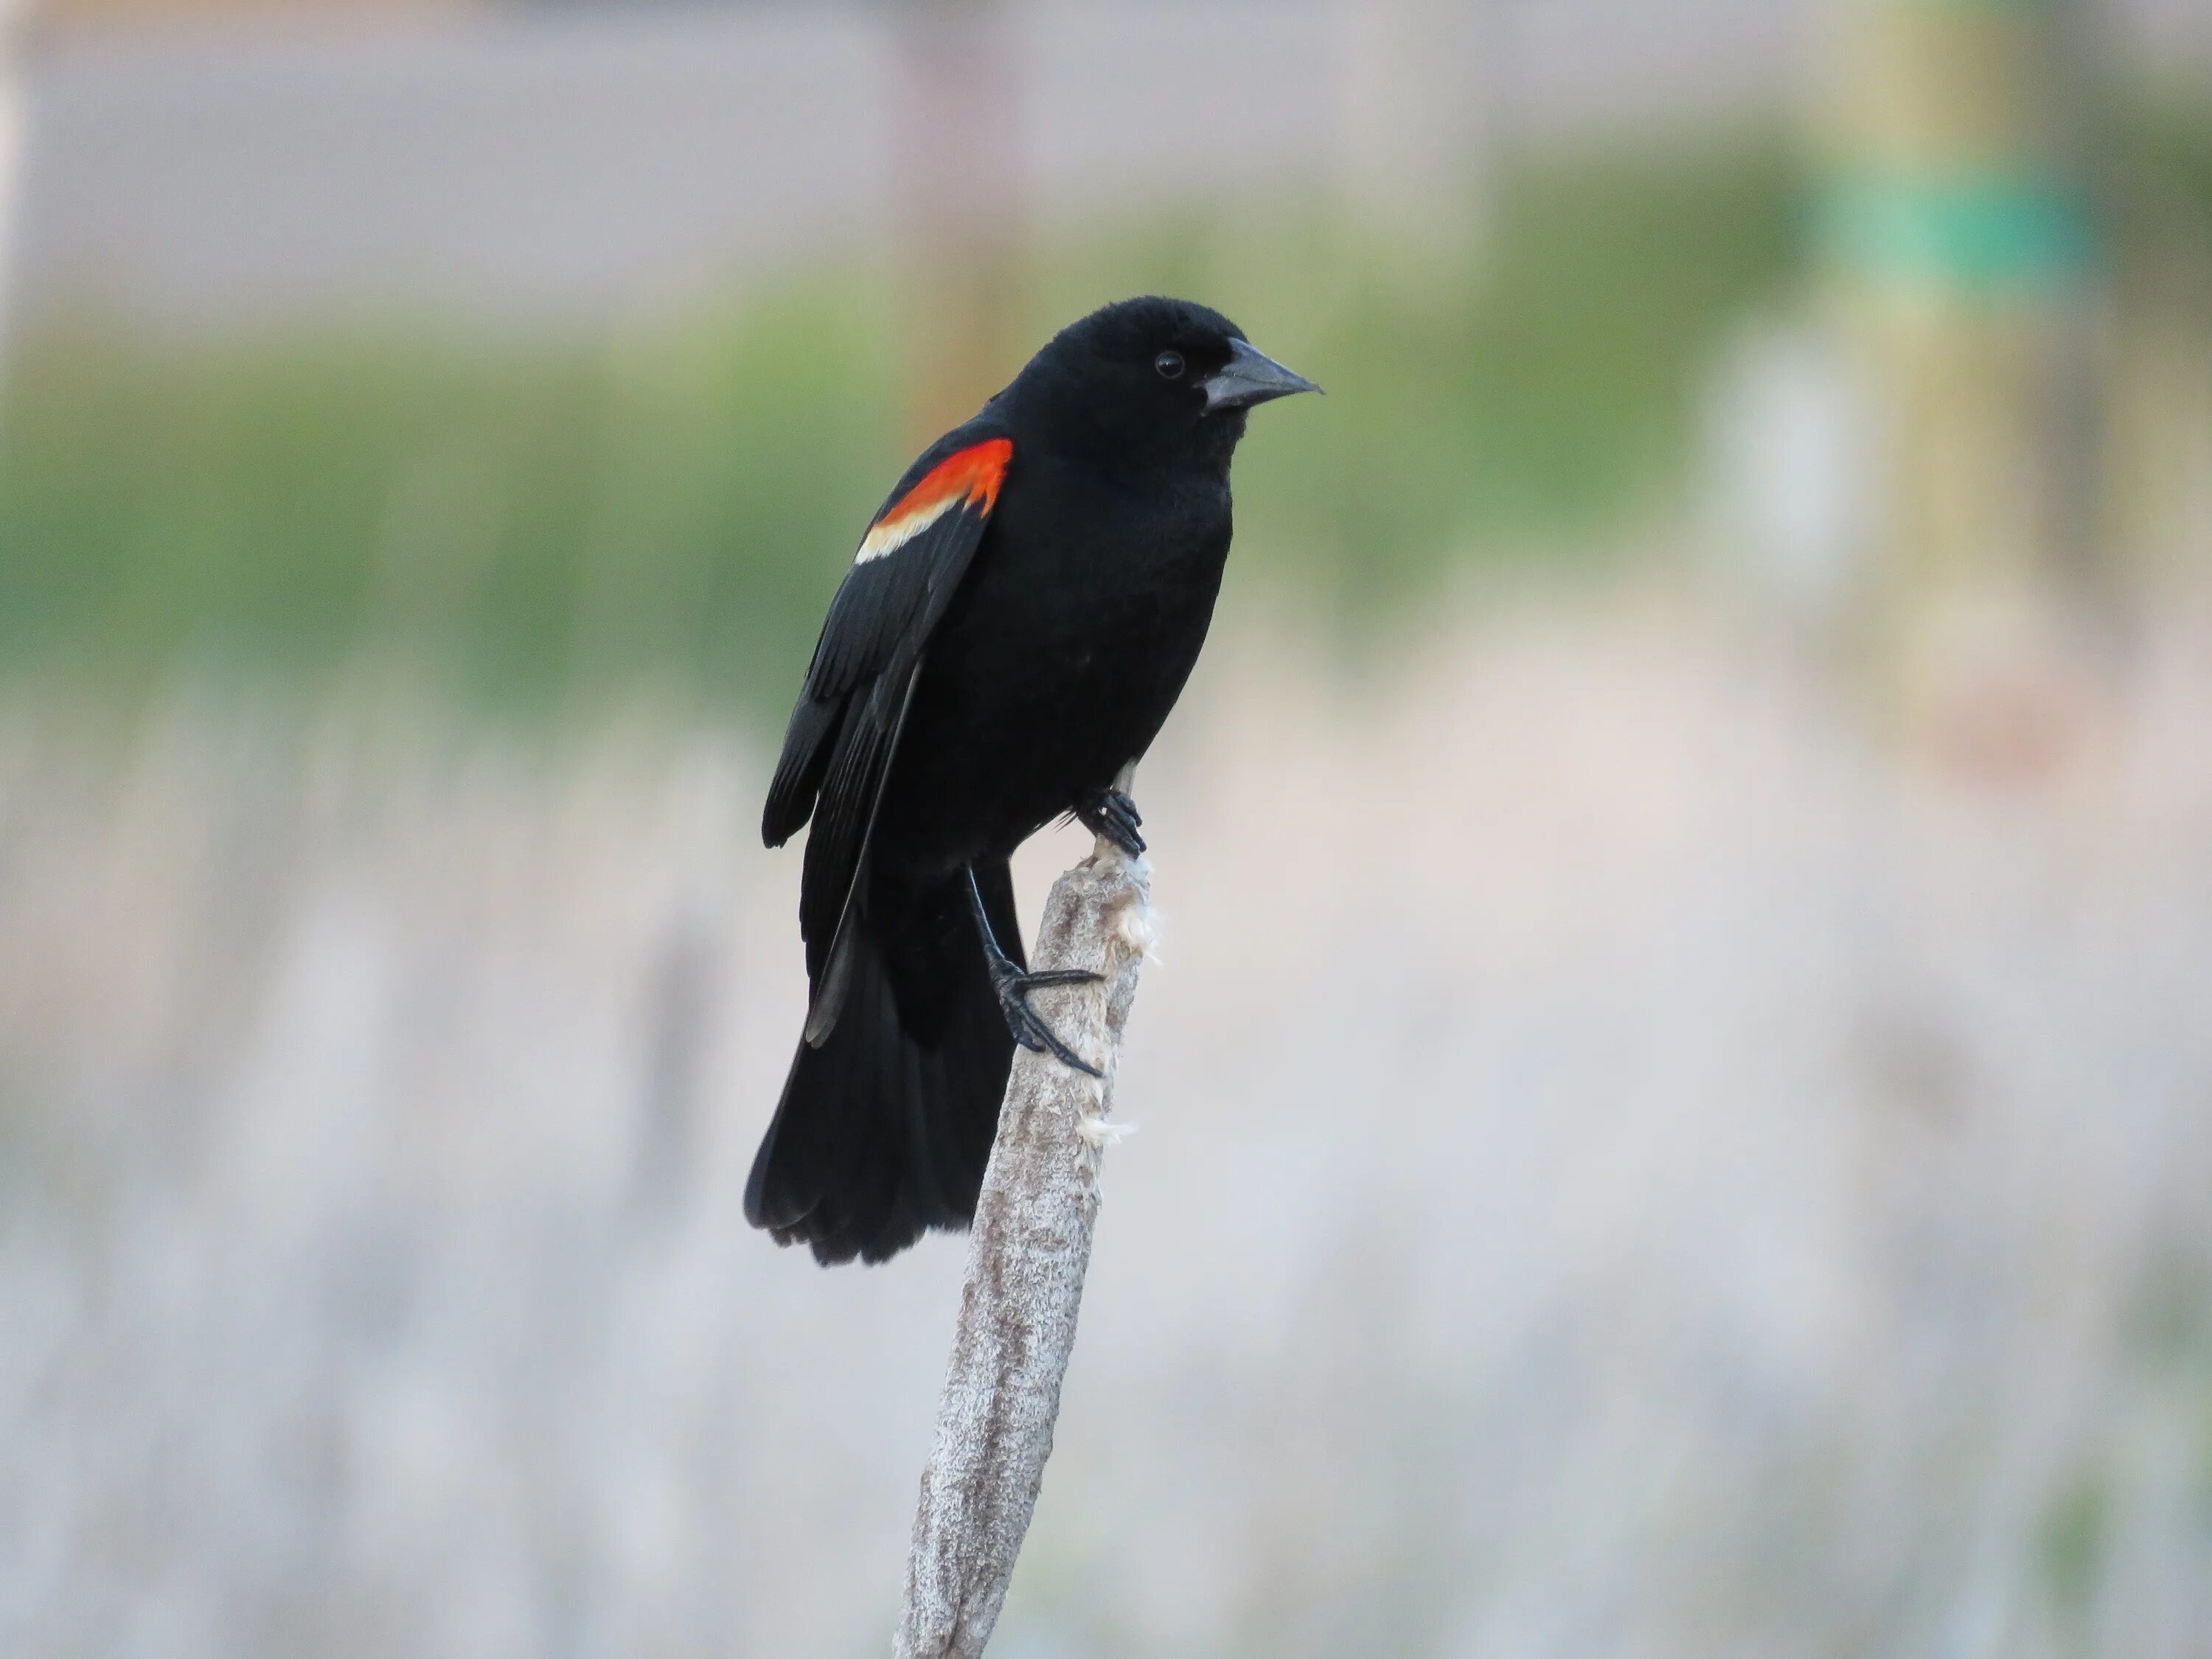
(1058, 660)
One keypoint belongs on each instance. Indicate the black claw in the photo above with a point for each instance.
(1014, 985)
(1113, 816)
(1028, 1026)
(1052, 977)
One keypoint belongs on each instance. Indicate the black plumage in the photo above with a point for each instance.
(1015, 629)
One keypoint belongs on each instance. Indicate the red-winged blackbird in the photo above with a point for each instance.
(1020, 618)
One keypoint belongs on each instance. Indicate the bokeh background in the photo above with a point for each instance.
(1676, 1106)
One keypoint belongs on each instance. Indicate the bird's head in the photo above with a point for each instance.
(1153, 374)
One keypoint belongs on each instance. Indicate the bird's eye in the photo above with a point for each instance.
(1169, 364)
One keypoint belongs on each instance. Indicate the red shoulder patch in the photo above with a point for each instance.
(965, 477)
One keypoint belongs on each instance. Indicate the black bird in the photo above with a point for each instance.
(1020, 617)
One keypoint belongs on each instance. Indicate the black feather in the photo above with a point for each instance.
(885, 1129)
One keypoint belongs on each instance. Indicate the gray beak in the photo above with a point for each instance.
(1251, 376)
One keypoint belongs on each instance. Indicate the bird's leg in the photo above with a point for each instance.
(1014, 984)
(1112, 815)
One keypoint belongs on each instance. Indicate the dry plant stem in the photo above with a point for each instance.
(1027, 1252)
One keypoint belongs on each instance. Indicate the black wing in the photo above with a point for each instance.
(838, 749)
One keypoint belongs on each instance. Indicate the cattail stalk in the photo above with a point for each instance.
(1027, 1253)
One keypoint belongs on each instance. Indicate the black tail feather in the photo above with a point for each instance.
(883, 1131)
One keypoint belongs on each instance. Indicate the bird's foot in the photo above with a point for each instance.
(1029, 1028)
(1112, 815)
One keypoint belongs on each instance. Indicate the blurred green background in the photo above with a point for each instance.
(535, 523)
(541, 524)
